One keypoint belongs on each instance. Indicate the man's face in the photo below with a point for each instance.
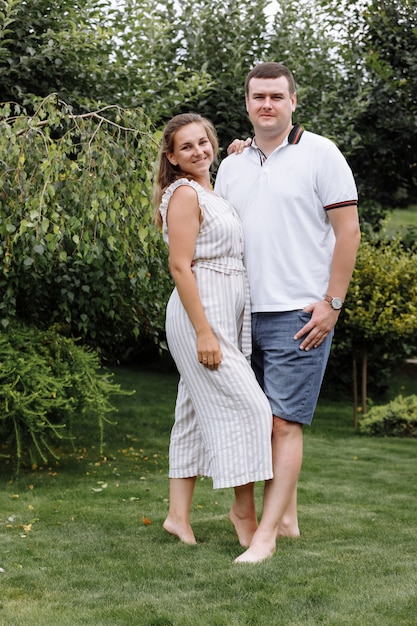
(270, 105)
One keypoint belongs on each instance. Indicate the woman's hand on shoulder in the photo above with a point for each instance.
(238, 145)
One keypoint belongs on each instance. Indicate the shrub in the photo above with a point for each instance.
(398, 418)
(78, 243)
(47, 381)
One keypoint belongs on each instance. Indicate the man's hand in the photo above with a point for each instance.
(321, 324)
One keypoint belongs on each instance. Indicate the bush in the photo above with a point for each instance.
(47, 381)
(398, 418)
(78, 243)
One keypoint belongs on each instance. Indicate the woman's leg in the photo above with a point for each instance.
(243, 514)
(186, 461)
(178, 519)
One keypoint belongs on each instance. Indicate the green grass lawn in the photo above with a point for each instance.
(82, 543)
(400, 219)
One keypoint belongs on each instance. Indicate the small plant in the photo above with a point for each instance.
(398, 418)
(47, 382)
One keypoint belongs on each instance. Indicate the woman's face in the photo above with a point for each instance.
(193, 152)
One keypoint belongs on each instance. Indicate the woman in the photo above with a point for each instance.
(223, 420)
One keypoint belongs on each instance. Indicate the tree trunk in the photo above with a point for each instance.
(364, 380)
(355, 390)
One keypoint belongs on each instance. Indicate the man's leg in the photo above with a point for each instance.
(287, 453)
(289, 523)
(291, 379)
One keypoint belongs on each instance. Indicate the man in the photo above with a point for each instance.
(297, 199)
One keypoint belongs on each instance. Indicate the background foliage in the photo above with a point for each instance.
(385, 163)
(398, 418)
(88, 86)
(48, 383)
(78, 246)
(94, 53)
(378, 324)
(354, 62)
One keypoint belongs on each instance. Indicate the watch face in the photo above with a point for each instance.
(336, 303)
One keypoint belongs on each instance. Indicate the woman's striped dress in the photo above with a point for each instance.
(223, 420)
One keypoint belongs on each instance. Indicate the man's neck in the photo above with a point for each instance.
(267, 142)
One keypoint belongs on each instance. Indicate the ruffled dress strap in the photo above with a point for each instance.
(167, 195)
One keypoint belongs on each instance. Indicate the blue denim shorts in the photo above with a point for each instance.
(291, 378)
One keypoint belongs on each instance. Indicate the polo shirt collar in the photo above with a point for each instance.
(293, 137)
(295, 134)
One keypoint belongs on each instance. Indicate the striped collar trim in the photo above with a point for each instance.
(295, 134)
(293, 137)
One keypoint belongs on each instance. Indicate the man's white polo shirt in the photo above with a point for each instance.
(283, 204)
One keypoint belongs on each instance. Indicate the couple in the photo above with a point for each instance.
(291, 197)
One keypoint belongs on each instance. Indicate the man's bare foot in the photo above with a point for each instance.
(184, 534)
(294, 534)
(245, 527)
(256, 554)
(288, 530)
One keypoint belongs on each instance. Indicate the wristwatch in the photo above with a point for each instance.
(335, 303)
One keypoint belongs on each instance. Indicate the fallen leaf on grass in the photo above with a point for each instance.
(28, 527)
(146, 521)
(98, 489)
(103, 461)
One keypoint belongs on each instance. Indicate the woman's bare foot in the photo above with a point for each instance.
(184, 533)
(245, 526)
(255, 554)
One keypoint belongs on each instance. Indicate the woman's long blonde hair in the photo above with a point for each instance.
(167, 173)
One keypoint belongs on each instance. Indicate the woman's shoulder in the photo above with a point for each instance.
(185, 184)
(185, 189)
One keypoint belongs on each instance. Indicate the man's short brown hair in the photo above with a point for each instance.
(271, 70)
